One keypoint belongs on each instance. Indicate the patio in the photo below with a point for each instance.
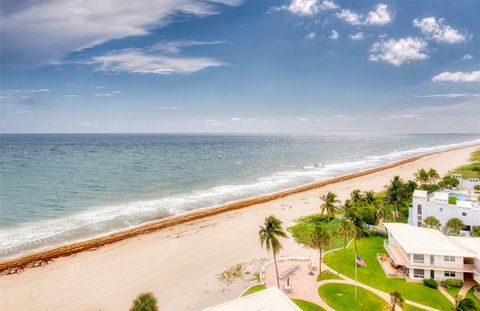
(302, 285)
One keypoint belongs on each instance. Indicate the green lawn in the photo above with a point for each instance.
(254, 289)
(374, 276)
(327, 275)
(342, 297)
(453, 291)
(466, 170)
(475, 157)
(411, 308)
(471, 295)
(307, 305)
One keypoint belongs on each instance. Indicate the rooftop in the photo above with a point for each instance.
(270, 299)
(418, 240)
(473, 244)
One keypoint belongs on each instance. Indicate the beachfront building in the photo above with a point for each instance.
(270, 299)
(423, 253)
(466, 184)
(444, 205)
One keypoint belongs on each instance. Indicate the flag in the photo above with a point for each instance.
(360, 262)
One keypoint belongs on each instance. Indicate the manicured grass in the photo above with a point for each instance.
(327, 275)
(475, 157)
(307, 305)
(466, 170)
(342, 297)
(471, 295)
(453, 291)
(374, 276)
(411, 308)
(254, 289)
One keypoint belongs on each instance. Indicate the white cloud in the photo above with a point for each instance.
(447, 96)
(358, 36)
(144, 62)
(466, 57)
(71, 95)
(309, 7)
(311, 35)
(103, 94)
(380, 16)
(168, 108)
(174, 47)
(350, 17)
(30, 30)
(328, 5)
(438, 30)
(399, 51)
(40, 91)
(403, 116)
(236, 119)
(344, 117)
(334, 35)
(303, 119)
(457, 76)
(303, 7)
(89, 124)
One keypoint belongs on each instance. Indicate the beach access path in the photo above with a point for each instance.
(180, 264)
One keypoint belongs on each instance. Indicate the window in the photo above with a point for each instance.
(418, 258)
(419, 224)
(432, 260)
(418, 273)
(464, 214)
(449, 274)
(419, 218)
(449, 259)
(441, 209)
(419, 209)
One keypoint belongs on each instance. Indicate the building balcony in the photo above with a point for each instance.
(400, 259)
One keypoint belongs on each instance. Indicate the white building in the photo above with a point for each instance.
(270, 299)
(466, 184)
(428, 253)
(437, 204)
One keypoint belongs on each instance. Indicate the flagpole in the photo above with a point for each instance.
(356, 276)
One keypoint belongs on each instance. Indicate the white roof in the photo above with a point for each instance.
(270, 299)
(466, 204)
(473, 244)
(420, 194)
(418, 240)
(440, 196)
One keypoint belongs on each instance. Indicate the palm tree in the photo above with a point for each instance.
(454, 225)
(329, 205)
(432, 222)
(269, 233)
(475, 232)
(318, 238)
(395, 194)
(466, 304)
(396, 298)
(346, 229)
(145, 302)
(384, 213)
(421, 176)
(370, 198)
(356, 196)
(433, 176)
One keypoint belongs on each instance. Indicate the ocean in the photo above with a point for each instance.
(60, 188)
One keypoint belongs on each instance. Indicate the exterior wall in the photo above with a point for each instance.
(438, 275)
(443, 212)
(466, 184)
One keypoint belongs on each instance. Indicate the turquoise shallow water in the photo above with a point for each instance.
(56, 189)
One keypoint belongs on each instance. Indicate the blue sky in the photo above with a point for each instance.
(295, 66)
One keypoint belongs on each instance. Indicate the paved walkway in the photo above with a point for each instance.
(466, 287)
(305, 286)
(380, 293)
(446, 294)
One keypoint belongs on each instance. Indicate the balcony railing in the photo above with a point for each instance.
(401, 259)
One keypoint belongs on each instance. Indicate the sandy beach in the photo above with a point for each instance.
(180, 264)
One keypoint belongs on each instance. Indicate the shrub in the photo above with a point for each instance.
(452, 200)
(448, 283)
(145, 302)
(430, 283)
(476, 187)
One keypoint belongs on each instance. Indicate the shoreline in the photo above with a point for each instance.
(41, 258)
